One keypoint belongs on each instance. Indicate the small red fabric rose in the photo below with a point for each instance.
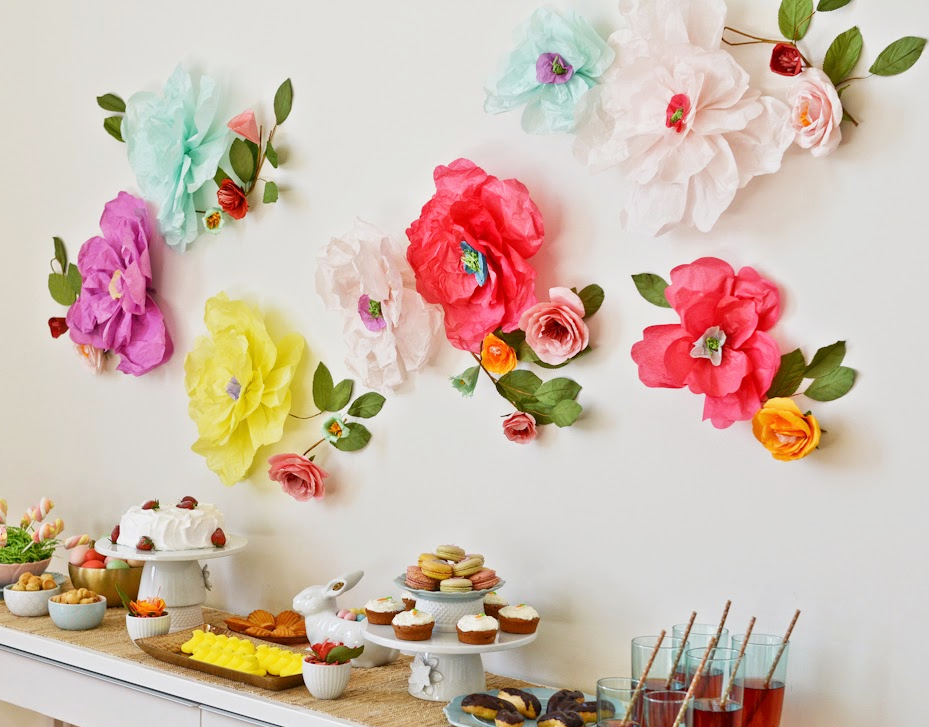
(57, 326)
(231, 198)
(786, 60)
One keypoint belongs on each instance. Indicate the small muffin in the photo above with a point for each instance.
(455, 585)
(564, 699)
(560, 719)
(493, 603)
(508, 718)
(381, 611)
(450, 552)
(437, 569)
(519, 619)
(413, 625)
(528, 705)
(409, 600)
(485, 706)
(477, 629)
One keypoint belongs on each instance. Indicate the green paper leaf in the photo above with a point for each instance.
(74, 279)
(114, 126)
(242, 161)
(341, 395)
(253, 148)
(60, 289)
(465, 382)
(898, 56)
(556, 390)
(826, 360)
(827, 5)
(61, 254)
(842, 55)
(111, 102)
(542, 364)
(592, 298)
(368, 405)
(652, 287)
(220, 176)
(566, 413)
(793, 18)
(518, 386)
(358, 437)
(832, 386)
(271, 155)
(322, 387)
(283, 100)
(270, 193)
(512, 339)
(342, 654)
(541, 412)
(789, 376)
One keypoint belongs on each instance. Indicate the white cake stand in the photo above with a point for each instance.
(175, 576)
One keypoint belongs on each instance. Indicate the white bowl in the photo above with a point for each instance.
(28, 603)
(326, 681)
(142, 628)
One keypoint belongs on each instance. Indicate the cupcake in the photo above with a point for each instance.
(493, 603)
(409, 600)
(414, 625)
(477, 629)
(519, 619)
(381, 611)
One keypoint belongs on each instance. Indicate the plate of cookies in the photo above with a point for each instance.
(287, 627)
(526, 707)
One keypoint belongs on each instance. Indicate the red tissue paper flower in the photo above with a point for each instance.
(719, 348)
(786, 60)
(231, 198)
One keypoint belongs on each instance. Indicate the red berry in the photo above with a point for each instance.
(186, 505)
(218, 538)
(188, 498)
(150, 505)
(145, 543)
(114, 536)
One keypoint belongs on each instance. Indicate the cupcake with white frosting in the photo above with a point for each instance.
(477, 629)
(409, 600)
(381, 611)
(493, 602)
(518, 619)
(413, 625)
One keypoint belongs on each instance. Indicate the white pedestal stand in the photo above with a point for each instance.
(175, 576)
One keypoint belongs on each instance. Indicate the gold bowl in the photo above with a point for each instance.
(103, 582)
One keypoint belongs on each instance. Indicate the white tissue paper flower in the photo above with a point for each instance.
(676, 114)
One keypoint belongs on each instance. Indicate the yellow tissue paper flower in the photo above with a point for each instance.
(238, 381)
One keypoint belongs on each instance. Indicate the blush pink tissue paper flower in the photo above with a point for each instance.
(719, 348)
(115, 310)
(520, 427)
(93, 358)
(389, 329)
(556, 330)
(815, 112)
(675, 113)
(245, 126)
(299, 477)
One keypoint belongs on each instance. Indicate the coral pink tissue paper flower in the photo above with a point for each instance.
(470, 248)
(245, 126)
(719, 348)
(520, 427)
(299, 477)
(815, 112)
(676, 114)
(556, 331)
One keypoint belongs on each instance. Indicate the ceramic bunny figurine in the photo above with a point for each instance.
(318, 606)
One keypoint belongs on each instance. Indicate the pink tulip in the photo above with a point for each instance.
(244, 125)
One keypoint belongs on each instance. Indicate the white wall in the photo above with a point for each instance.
(617, 527)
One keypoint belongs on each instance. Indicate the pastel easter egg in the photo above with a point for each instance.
(342, 612)
(135, 563)
(91, 554)
(77, 554)
(93, 564)
(349, 616)
(116, 564)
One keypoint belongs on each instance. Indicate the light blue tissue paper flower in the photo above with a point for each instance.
(175, 142)
(555, 61)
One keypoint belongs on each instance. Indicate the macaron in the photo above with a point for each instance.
(469, 566)
(416, 579)
(455, 585)
(450, 552)
(438, 569)
(485, 578)
(426, 556)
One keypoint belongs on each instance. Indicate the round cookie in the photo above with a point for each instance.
(469, 566)
(450, 552)
(485, 578)
(528, 705)
(455, 585)
(415, 578)
(438, 569)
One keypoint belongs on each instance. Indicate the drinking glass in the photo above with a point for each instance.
(614, 698)
(699, 637)
(642, 647)
(763, 703)
(722, 670)
(662, 708)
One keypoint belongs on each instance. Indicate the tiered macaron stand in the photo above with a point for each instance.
(175, 576)
(443, 667)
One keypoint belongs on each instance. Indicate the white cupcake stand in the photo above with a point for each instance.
(443, 667)
(175, 576)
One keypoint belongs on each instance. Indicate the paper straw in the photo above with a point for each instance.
(693, 684)
(722, 621)
(767, 679)
(690, 624)
(735, 669)
(641, 684)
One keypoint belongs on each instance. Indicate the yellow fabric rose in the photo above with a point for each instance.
(784, 430)
(238, 382)
(497, 357)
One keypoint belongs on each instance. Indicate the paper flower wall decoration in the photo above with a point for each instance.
(109, 292)
(238, 381)
(721, 349)
(676, 114)
(175, 142)
(556, 59)
(389, 329)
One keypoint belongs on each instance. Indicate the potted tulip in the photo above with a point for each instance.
(145, 617)
(327, 668)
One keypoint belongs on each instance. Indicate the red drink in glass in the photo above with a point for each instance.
(710, 685)
(708, 713)
(762, 706)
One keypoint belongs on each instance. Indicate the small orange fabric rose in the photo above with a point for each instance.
(497, 357)
(784, 430)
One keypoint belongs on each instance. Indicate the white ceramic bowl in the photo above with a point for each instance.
(142, 628)
(28, 603)
(326, 681)
(77, 616)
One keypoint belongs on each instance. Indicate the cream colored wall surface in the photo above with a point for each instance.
(617, 527)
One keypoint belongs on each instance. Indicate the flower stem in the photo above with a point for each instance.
(261, 157)
(759, 39)
(481, 364)
(311, 416)
(314, 446)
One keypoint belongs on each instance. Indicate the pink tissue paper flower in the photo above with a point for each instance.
(556, 331)
(115, 310)
(719, 348)
(520, 427)
(245, 126)
(815, 113)
(299, 477)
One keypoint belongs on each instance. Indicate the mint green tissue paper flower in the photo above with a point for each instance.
(175, 141)
(555, 61)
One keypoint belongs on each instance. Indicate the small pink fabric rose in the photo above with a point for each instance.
(245, 126)
(95, 358)
(815, 113)
(520, 427)
(299, 477)
(556, 330)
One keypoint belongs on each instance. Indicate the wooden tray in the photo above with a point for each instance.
(285, 640)
(168, 648)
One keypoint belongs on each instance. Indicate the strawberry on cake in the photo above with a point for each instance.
(187, 525)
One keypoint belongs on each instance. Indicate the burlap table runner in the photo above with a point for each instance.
(376, 697)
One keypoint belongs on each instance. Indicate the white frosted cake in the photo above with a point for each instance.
(171, 528)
